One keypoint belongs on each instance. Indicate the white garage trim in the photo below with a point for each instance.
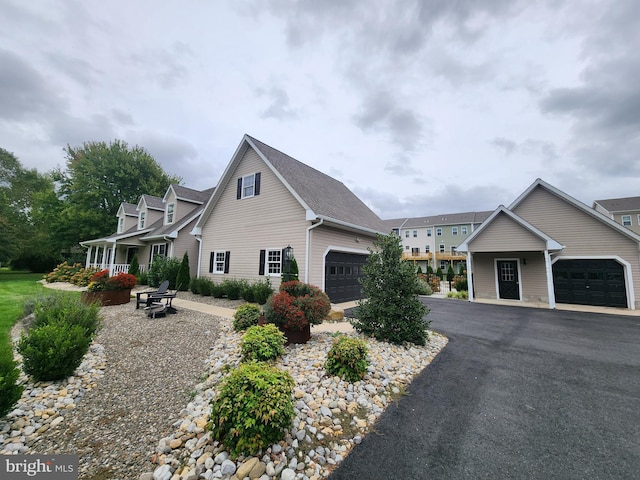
(336, 248)
(628, 276)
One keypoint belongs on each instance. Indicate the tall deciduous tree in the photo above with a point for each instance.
(19, 187)
(100, 176)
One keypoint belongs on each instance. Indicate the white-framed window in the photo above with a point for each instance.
(248, 186)
(218, 262)
(427, 248)
(463, 230)
(415, 234)
(406, 234)
(444, 265)
(454, 230)
(158, 249)
(274, 262)
(170, 210)
(428, 232)
(626, 220)
(120, 224)
(639, 219)
(441, 247)
(407, 247)
(439, 231)
(141, 219)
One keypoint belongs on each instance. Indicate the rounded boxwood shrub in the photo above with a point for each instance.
(53, 351)
(253, 408)
(10, 391)
(262, 343)
(347, 358)
(246, 316)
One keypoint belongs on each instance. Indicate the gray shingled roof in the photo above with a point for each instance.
(613, 205)
(153, 202)
(191, 195)
(443, 219)
(130, 209)
(325, 195)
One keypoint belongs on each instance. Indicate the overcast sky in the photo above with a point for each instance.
(420, 107)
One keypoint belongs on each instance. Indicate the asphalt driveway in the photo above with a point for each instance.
(517, 393)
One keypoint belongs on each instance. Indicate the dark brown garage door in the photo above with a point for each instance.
(342, 271)
(590, 282)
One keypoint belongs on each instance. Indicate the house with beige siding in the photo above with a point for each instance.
(550, 248)
(155, 226)
(266, 201)
(625, 211)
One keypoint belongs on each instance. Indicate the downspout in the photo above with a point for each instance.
(308, 249)
(170, 242)
(199, 239)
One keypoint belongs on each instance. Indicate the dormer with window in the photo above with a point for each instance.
(150, 210)
(170, 213)
(142, 218)
(127, 217)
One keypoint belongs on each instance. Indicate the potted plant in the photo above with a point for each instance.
(108, 290)
(295, 308)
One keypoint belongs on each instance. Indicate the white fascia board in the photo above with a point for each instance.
(350, 225)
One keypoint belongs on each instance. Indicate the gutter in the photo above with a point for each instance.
(308, 248)
(199, 239)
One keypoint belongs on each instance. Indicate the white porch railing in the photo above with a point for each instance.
(117, 267)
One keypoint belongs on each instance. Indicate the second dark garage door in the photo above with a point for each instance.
(590, 282)
(341, 274)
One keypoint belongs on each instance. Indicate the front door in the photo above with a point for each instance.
(508, 286)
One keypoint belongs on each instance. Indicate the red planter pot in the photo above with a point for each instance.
(107, 298)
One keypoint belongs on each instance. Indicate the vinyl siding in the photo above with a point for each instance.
(505, 235)
(532, 275)
(322, 238)
(582, 234)
(187, 243)
(273, 219)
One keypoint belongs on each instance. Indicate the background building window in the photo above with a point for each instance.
(626, 220)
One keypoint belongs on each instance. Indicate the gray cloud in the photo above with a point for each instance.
(504, 144)
(163, 66)
(279, 107)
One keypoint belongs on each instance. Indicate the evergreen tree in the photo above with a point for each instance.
(184, 276)
(134, 266)
(450, 273)
(391, 310)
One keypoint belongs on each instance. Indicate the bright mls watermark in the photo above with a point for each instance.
(50, 467)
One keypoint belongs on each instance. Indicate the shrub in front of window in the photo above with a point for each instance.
(164, 268)
(262, 343)
(246, 316)
(253, 408)
(53, 351)
(258, 292)
(347, 358)
(134, 266)
(233, 288)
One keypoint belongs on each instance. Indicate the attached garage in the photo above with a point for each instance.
(598, 282)
(342, 274)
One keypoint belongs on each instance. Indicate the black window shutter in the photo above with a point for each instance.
(211, 257)
(226, 261)
(257, 184)
(263, 255)
(239, 192)
(282, 272)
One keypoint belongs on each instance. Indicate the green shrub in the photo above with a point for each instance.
(450, 273)
(297, 305)
(63, 272)
(164, 268)
(261, 289)
(422, 287)
(262, 343)
(248, 294)
(10, 391)
(429, 270)
(460, 283)
(53, 351)
(347, 358)
(194, 285)
(143, 278)
(233, 288)
(82, 277)
(439, 273)
(461, 295)
(134, 266)
(253, 408)
(217, 290)
(392, 312)
(67, 309)
(206, 287)
(183, 276)
(246, 316)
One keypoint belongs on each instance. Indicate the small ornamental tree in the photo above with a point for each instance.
(184, 276)
(134, 266)
(392, 311)
(450, 273)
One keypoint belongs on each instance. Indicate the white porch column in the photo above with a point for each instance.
(87, 262)
(550, 291)
(95, 255)
(470, 276)
(112, 258)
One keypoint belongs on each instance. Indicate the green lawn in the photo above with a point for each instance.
(15, 289)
